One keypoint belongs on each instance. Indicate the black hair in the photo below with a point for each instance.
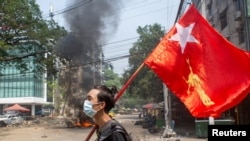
(107, 95)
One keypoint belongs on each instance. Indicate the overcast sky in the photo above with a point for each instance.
(133, 13)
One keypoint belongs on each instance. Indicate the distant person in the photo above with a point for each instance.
(100, 100)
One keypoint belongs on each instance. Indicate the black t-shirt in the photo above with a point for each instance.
(112, 131)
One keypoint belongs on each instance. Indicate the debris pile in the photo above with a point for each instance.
(38, 121)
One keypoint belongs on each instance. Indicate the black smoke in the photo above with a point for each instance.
(91, 23)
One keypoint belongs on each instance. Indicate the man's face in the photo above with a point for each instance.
(92, 97)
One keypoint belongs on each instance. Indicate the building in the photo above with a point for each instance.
(231, 18)
(28, 88)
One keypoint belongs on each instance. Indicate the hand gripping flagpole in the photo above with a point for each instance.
(118, 96)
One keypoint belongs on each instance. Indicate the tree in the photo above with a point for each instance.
(111, 78)
(24, 34)
(146, 84)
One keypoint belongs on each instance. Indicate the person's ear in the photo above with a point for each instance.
(102, 105)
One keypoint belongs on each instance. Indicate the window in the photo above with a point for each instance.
(241, 36)
(209, 9)
(238, 5)
(223, 19)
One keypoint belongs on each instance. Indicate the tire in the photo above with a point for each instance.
(2, 124)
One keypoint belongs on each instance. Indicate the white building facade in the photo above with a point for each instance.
(28, 88)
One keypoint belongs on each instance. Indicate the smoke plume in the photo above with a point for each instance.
(91, 23)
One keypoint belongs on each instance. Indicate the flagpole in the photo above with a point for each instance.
(118, 96)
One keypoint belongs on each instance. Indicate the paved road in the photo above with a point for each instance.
(129, 120)
(52, 133)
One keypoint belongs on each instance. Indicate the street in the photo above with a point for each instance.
(56, 133)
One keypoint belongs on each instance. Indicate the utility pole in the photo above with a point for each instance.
(93, 55)
(101, 67)
(168, 132)
(247, 26)
(51, 11)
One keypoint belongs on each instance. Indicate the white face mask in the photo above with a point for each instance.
(88, 109)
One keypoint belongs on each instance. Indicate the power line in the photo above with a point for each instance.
(82, 3)
(106, 46)
(93, 62)
(119, 41)
(105, 60)
(67, 9)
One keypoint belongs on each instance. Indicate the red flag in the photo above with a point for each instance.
(205, 71)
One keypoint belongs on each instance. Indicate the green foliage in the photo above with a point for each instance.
(134, 102)
(24, 34)
(111, 78)
(146, 85)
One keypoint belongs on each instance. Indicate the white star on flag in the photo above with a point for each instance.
(183, 35)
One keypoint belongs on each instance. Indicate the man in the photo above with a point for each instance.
(100, 100)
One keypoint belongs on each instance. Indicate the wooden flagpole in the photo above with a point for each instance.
(118, 96)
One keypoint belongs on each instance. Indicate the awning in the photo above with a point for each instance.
(16, 107)
(152, 106)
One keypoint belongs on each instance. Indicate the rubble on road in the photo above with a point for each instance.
(39, 121)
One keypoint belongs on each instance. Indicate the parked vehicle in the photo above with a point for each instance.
(4, 120)
(3, 117)
(43, 113)
(8, 119)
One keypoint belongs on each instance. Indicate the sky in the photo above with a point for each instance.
(133, 13)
